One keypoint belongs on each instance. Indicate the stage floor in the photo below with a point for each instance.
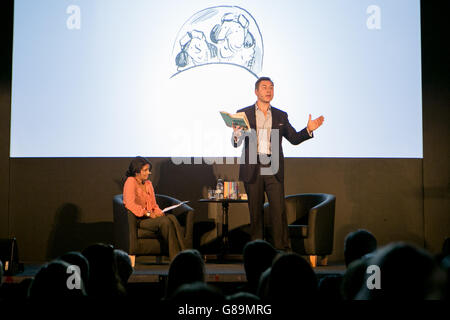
(148, 271)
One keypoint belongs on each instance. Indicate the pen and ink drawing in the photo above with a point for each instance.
(219, 35)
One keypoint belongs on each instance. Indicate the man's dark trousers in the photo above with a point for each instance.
(277, 213)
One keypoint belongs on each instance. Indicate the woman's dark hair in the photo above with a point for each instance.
(136, 166)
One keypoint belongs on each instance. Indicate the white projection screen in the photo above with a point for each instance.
(119, 78)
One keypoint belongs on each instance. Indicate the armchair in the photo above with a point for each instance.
(310, 218)
(139, 242)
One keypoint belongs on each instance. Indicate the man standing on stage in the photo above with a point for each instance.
(262, 162)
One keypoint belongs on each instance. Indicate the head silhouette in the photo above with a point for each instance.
(186, 267)
(51, 283)
(357, 244)
(258, 256)
(124, 268)
(330, 288)
(354, 277)
(77, 259)
(197, 293)
(103, 277)
(291, 280)
(406, 273)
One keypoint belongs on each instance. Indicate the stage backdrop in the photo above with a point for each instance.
(53, 204)
(115, 79)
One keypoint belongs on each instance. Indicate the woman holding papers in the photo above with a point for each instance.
(139, 199)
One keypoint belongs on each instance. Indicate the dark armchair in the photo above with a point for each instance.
(139, 242)
(310, 218)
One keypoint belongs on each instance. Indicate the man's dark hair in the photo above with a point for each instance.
(262, 79)
(136, 166)
(358, 244)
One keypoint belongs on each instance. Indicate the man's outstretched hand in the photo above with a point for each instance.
(314, 124)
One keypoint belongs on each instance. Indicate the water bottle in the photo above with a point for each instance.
(219, 189)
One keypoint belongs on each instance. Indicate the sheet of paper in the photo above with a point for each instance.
(174, 206)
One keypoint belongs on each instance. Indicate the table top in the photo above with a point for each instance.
(223, 200)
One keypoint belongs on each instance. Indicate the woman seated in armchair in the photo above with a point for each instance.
(139, 199)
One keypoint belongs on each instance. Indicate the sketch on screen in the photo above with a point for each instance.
(219, 35)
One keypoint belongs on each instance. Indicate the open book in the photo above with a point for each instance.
(174, 206)
(238, 119)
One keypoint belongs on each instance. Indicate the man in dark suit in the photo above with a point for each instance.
(262, 161)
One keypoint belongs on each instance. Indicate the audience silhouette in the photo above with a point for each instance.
(124, 267)
(408, 273)
(104, 281)
(292, 281)
(51, 282)
(77, 259)
(187, 267)
(357, 244)
(258, 256)
(284, 280)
